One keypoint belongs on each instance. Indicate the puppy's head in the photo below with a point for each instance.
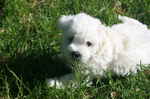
(82, 36)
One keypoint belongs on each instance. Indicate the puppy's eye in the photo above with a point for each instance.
(70, 39)
(88, 43)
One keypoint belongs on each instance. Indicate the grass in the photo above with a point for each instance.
(30, 48)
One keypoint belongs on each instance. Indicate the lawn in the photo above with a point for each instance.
(30, 49)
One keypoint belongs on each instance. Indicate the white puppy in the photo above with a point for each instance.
(119, 48)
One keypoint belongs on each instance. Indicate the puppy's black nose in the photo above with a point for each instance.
(76, 54)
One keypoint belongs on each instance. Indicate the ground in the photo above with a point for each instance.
(30, 49)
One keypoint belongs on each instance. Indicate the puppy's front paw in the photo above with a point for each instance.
(55, 83)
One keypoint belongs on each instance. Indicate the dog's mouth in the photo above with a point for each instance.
(78, 65)
(76, 60)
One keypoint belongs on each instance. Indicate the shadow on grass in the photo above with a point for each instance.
(34, 67)
(33, 70)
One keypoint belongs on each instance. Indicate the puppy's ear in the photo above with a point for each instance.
(64, 22)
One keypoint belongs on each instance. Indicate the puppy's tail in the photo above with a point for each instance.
(131, 21)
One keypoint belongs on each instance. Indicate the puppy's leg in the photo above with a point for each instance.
(60, 82)
(126, 65)
(69, 80)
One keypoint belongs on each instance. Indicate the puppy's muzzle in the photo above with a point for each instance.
(76, 55)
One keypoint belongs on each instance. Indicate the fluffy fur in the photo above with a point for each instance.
(119, 48)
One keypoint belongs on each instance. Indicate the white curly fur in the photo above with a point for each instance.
(119, 48)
